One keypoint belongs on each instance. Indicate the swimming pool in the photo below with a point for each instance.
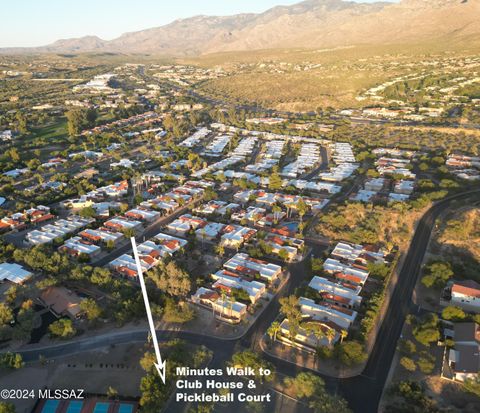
(50, 406)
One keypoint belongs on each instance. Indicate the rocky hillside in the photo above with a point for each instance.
(311, 23)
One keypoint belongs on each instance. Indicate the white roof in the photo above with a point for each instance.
(13, 273)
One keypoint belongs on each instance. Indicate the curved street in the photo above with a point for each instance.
(363, 392)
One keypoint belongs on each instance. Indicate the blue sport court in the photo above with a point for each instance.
(50, 406)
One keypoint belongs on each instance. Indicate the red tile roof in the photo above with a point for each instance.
(469, 288)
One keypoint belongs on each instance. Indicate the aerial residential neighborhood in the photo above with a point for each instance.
(261, 208)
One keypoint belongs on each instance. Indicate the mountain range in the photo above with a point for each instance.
(308, 24)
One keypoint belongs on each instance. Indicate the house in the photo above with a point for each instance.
(169, 244)
(123, 163)
(15, 173)
(235, 235)
(464, 357)
(209, 232)
(115, 190)
(77, 246)
(394, 197)
(196, 138)
(280, 243)
(341, 294)
(363, 196)
(121, 224)
(342, 317)
(404, 187)
(375, 184)
(185, 223)
(101, 235)
(142, 214)
(14, 273)
(351, 274)
(57, 229)
(62, 302)
(303, 338)
(6, 135)
(464, 294)
(223, 308)
(356, 253)
(243, 264)
(125, 265)
(229, 281)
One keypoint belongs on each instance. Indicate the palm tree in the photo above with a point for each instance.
(319, 334)
(276, 213)
(330, 335)
(343, 334)
(301, 208)
(204, 235)
(273, 330)
(222, 291)
(220, 250)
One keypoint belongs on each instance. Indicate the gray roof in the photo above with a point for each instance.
(468, 358)
(466, 332)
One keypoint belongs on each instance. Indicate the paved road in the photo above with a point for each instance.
(363, 392)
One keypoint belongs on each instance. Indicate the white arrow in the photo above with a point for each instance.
(160, 365)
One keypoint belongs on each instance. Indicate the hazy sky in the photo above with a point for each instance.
(39, 22)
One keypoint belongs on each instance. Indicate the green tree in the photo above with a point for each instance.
(88, 212)
(273, 330)
(426, 331)
(274, 180)
(426, 363)
(290, 308)
(6, 314)
(310, 386)
(13, 154)
(351, 353)
(305, 384)
(92, 310)
(378, 270)
(7, 407)
(472, 386)
(22, 125)
(438, 273)
(283, 254)
(171, 279)
(91, 116)
(154, 393)
(302, 208)
(75, 120)
(62, 328)
(453, 313)
(11, 361)
(254, 360)
(408, 364)
(112, 393)
(177, 312)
